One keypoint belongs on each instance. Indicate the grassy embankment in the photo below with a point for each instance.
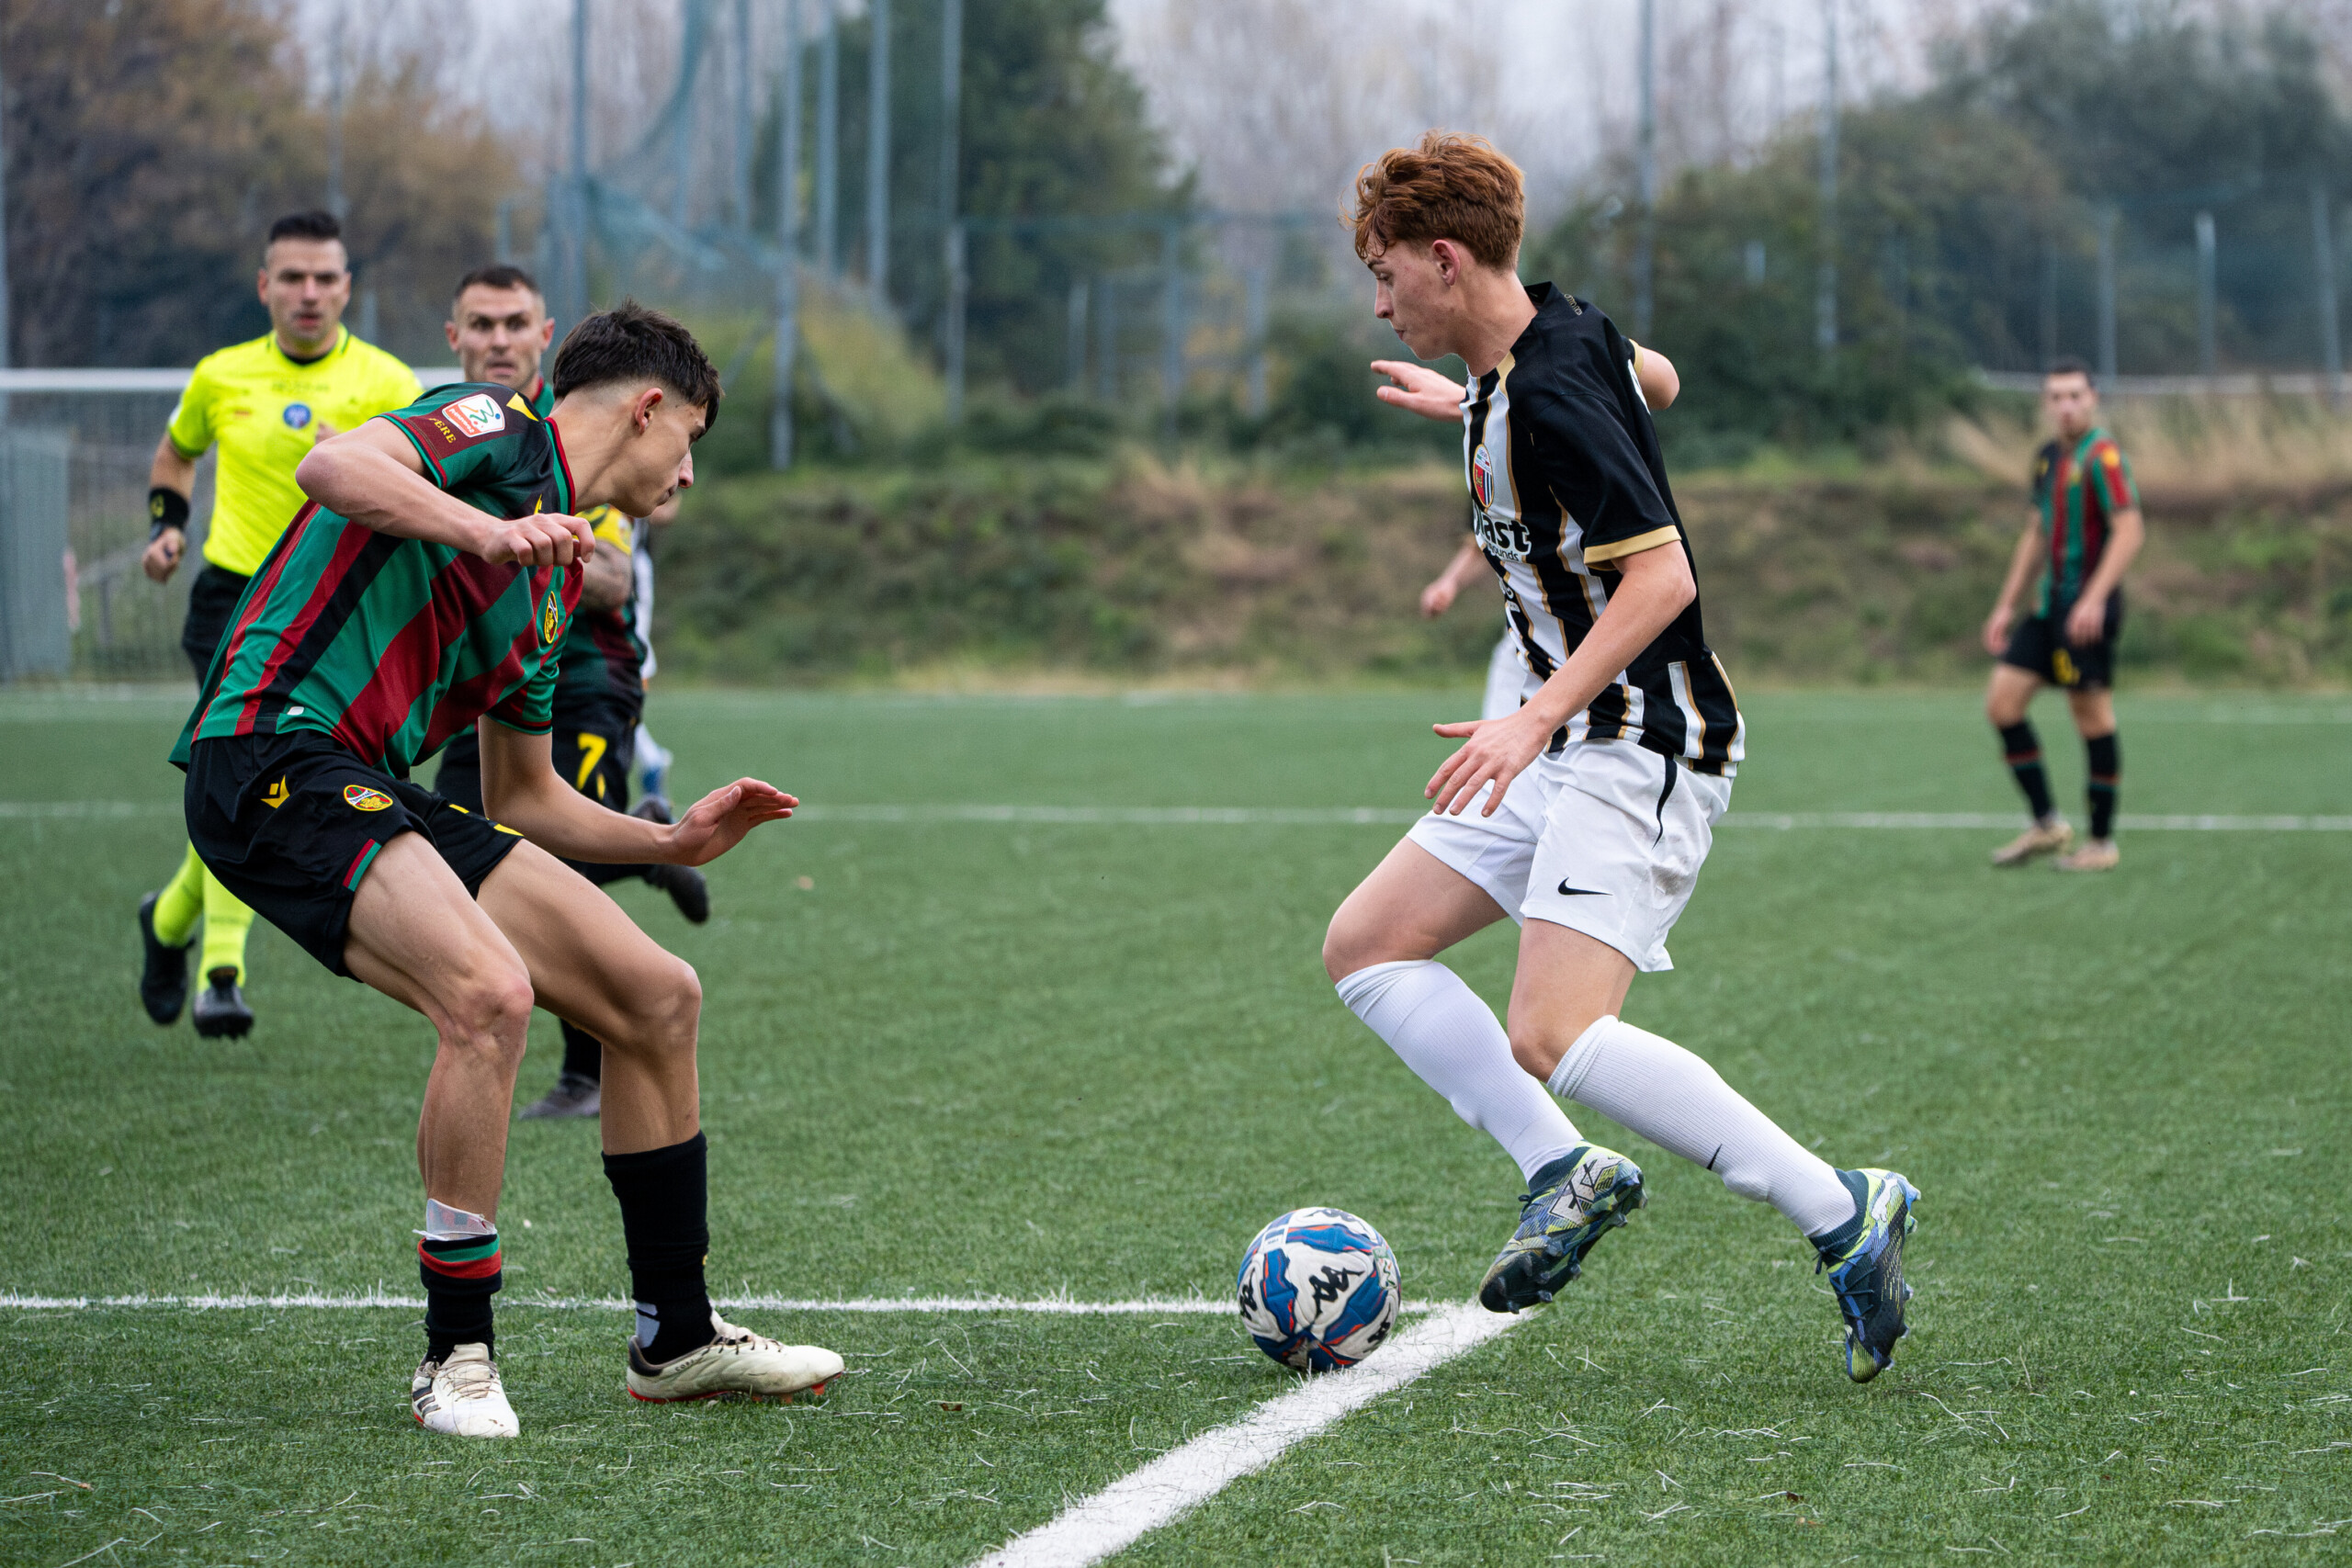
(1231, 570)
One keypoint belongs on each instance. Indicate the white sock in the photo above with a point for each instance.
(1451, 1039)
(1680, 1103)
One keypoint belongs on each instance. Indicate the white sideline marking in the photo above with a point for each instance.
(1049, 1307)
(1337, 817)
(1093, 1528)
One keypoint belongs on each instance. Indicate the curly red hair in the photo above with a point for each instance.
(1448, 187)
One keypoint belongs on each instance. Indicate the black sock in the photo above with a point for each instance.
(460, 1276)
(2023, 750)
(2107, 768)
(583, 1055)
(665, 1198)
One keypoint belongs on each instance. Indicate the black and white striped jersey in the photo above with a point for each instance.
(1566, 480)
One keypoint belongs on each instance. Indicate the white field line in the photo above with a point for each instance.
(1179, 1480)
(1333, 816)
(1049, 1306)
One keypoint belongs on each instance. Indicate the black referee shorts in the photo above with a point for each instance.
(212, 604)
(291, 823)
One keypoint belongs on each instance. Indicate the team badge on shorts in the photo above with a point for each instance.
(359, 797)
(550, 619)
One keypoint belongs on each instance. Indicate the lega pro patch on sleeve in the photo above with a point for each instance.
(455, 426)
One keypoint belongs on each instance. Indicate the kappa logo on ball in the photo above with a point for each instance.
(359, 797)
(475, 416)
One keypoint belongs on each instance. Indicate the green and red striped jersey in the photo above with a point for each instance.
(2080, 490)
(391, 646)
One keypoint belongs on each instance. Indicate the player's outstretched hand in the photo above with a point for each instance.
(1418, 389)
(1496, 750)
(545, 539)
(1437, 598)
(717, 823)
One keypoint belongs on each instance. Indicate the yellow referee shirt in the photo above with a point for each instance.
(264, 410)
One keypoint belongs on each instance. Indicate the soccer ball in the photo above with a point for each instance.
(1318, 1290)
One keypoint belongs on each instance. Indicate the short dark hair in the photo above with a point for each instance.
(503, 276)
(2067, 365)
(634, 343)
(314, 224)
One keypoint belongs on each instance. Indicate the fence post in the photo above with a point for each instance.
(1257, 324)
(877, 157)
(2108, 215)
(788, 243)
(1646, 175)
(1825, 292)
(2207, 350)
(1171, 327)
(959, 293)
(2331, 341)
(35, 466)
(1074, 340)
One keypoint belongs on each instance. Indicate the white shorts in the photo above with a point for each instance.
(1605, 839)
(1506, 677)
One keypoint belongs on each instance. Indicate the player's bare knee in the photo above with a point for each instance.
(1538, 1051)
(665, 1013)
(490, 1013)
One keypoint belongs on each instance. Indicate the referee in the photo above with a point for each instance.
(264, 403)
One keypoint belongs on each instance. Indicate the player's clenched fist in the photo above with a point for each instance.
(542, 539)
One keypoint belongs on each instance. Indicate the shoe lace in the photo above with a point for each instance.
(470, 1380)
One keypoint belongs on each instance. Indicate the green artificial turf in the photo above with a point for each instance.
(1020, 1058)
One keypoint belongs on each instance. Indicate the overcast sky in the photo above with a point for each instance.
(1276, 101)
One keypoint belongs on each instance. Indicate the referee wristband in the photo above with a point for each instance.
(167, 508)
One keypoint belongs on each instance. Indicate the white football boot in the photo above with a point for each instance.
(738, 1364)
(462, 1396)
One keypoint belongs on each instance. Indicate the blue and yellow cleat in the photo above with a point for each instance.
(1864, 1259)
(1568, 1206)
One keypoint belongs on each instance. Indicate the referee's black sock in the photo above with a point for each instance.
(665, 1198)
(2106, 768)
(2022, 748)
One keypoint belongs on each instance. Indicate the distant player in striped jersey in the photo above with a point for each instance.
(499, 330)
(2086, 532)
(427, 590)
(1586, 814)
(1505, 669)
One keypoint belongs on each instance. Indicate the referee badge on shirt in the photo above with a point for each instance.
(298, 415)
(359, 797)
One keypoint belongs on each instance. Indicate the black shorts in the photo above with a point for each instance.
(291, 823)
(592, 752)
(2039, 644)
(212, 602)
(596, 761)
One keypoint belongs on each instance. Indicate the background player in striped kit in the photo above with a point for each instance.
(499, 326)
(1597, 798)
(2086, 531)
(1505, 669)
(265, 403)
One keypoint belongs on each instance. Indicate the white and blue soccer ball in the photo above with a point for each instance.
(1318, 1290)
